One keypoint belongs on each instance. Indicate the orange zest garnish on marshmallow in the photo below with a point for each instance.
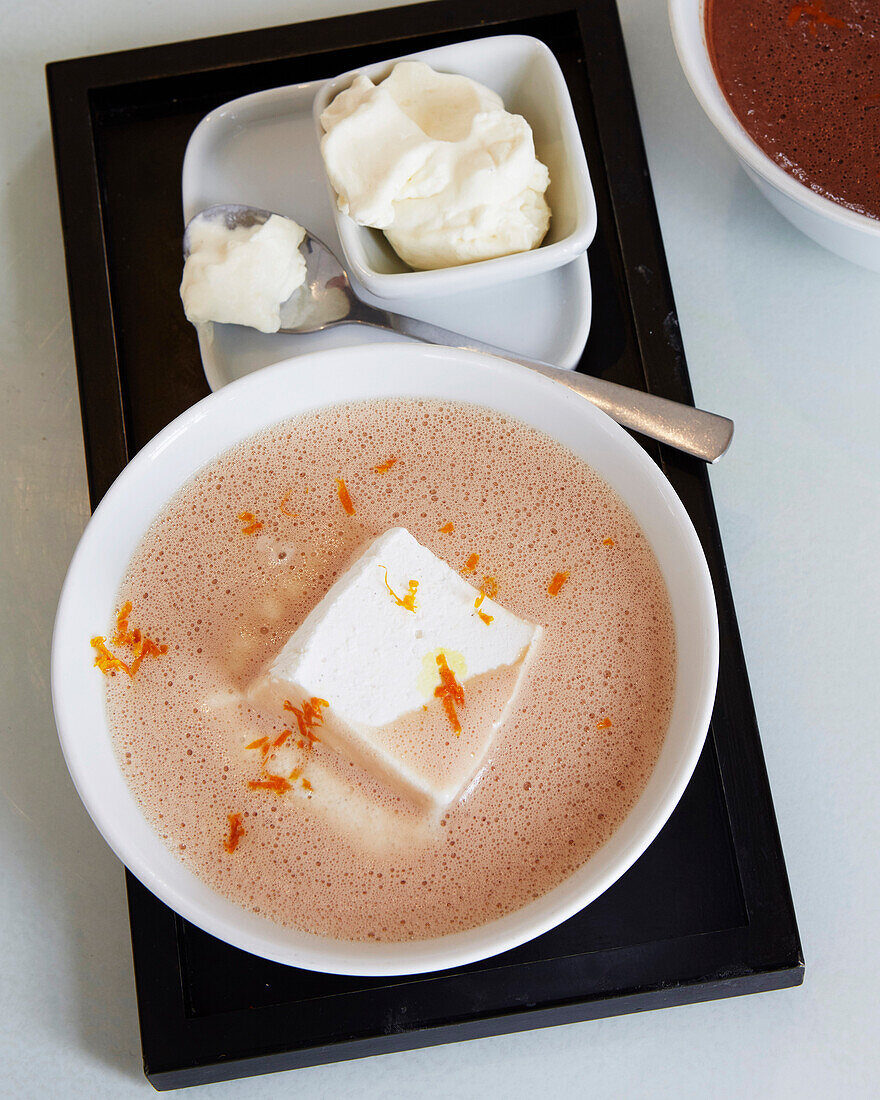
(608, 542)
(554, 587)
(409, 600)
(385, 466)
(604, 724)
(489, 588)
(344, 498)
(236, 832)
(447, 528)
(251, 523)
(485, 616)
(450, 692)
(478, 603)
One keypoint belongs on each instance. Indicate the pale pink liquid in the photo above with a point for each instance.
(351, 859)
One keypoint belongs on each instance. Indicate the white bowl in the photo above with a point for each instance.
(854, 236)
(526, 75)
(287, 389)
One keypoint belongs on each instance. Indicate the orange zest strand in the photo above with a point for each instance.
(145, 647)
(236, 832)
(310, 715)
(608, 542)
(251, 523)
(133, 639)
(306, 785)
(447, 528)
(450, 692)
(605, 724)
(483, 615)
(313, 708)
(140, 645)
(385, 466)
(490, 587)
(471, 564)
(276, 783)
(448, 684)
(282, 507)
(409, 600)
(123, 634)
(452, 715)
(344, 498)
(816, 14)
(554, 587)
(105, 660)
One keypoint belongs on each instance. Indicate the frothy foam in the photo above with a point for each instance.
(343, 856)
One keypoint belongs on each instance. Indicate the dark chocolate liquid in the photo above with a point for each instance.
(804, 81)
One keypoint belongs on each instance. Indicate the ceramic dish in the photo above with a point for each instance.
(88, 597)
(262, 149)
(854, 236)
(524, 72)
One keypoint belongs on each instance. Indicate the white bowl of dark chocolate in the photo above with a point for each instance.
(198, 436)
(799, 195)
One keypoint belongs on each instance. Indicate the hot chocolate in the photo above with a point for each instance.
(252, 799)
(804, 81)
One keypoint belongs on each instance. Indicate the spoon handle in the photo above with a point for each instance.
(694, 431)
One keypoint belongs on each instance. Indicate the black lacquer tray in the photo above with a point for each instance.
(706, 911)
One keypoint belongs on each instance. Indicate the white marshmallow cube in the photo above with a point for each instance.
(375, 662)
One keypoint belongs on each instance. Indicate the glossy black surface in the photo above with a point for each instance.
(706, 911)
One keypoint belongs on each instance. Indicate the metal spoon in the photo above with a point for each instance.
(326, 299)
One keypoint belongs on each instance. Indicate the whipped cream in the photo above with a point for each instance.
(436, 162)
(242, 276)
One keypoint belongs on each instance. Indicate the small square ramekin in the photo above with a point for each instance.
(524, 72)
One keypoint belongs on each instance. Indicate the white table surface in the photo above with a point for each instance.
(779, 335)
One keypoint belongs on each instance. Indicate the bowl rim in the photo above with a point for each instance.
(227, 920)
(497, 269)
(700, 74)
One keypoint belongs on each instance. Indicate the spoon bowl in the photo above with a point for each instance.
(324, 299)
